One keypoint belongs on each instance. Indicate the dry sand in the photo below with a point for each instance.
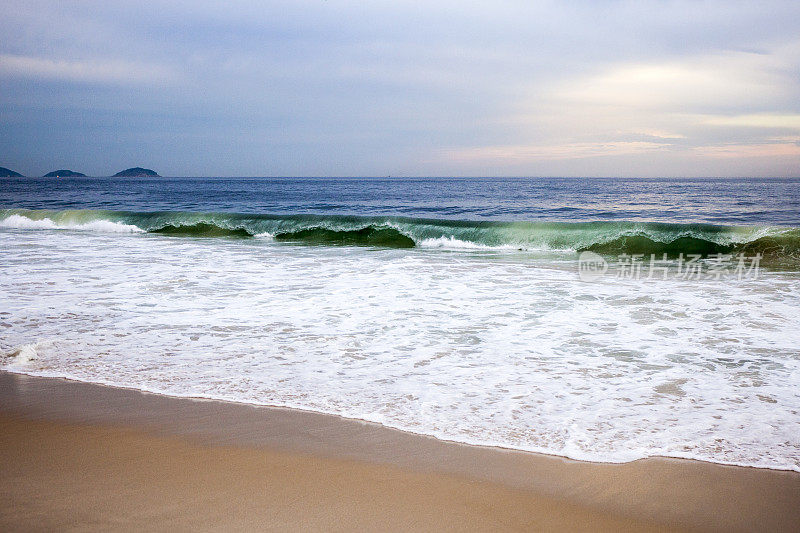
(86, 457)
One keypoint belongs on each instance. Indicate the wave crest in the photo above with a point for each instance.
(15, 221)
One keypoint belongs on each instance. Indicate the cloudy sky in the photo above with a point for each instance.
(374, 88)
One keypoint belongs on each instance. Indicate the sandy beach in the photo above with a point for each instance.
(400, 266)
(87, 457)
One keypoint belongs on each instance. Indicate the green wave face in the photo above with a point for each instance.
(366, 236)
(202, 229)
(781, 244)
(640, 244)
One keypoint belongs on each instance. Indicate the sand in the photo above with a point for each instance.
(78, 456)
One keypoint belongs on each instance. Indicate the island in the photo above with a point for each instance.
(64, 173)
(6, 173)
(136, 172)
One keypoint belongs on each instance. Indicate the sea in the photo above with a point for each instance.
(599, 319)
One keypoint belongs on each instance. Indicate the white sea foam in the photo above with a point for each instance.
(20, 356)
(105, 226)
(453, 243)
(493, 349)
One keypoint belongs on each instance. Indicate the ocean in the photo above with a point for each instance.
(598, 319)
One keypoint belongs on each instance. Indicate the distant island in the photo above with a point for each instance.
(136, 172)
(64, 173)
(6, 173)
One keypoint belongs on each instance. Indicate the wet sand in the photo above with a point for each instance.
(89, 457)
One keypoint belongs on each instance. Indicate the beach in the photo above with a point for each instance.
(485, 332)
(400, 266)
(81, 456)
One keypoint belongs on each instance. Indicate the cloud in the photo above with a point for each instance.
(685, 108)
(790, 121)
(513, 154)
(109, 71)
(399, 87)
(736, 151)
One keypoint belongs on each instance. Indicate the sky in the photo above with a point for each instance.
(401, 88)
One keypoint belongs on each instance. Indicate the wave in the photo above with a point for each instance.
(366, 236)
(201, 229)
(779, 243)
(25, 221)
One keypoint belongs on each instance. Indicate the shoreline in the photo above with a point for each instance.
(648, 493)
(355, 419)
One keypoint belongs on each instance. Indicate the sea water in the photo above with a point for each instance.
(449, 307)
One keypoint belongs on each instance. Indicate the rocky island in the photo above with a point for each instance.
(136, 172)
(6, 173)
(64, 173)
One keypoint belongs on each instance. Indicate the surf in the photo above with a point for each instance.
(779, 243)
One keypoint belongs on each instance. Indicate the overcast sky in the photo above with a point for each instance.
(402, 88)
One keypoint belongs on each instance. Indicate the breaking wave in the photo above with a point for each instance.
(779, 243)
